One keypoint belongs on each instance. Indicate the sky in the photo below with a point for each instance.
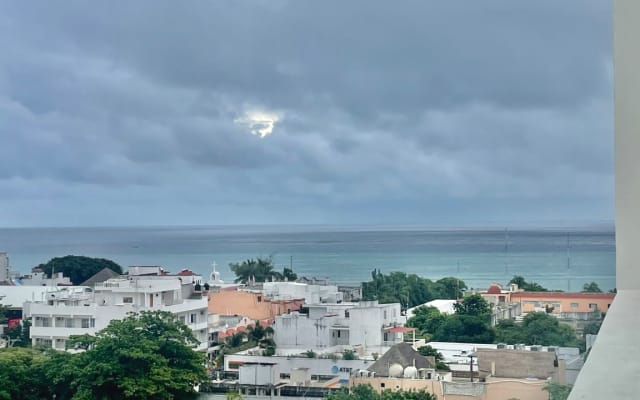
(447, 113)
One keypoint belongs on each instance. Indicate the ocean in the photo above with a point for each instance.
(562, 259)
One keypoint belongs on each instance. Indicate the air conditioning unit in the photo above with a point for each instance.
(502, 346)
(535, 348)
(551, 349)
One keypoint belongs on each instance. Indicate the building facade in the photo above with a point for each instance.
(366, 324)
(83, 310)
(253, 305)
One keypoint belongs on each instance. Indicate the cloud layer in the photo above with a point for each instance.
(295, 112)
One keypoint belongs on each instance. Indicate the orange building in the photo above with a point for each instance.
(563, 303)
(252, 305)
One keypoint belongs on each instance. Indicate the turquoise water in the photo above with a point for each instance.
(555, 258)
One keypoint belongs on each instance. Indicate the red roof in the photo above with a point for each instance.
(563, 295)
(186, 272)
(494, 289)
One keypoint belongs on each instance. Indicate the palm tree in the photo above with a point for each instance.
(260, 270)
(256, 332)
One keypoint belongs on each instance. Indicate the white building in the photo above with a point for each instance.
(289, 365)
(332, 327)
(39, 278)
(82, 310)
(312, 294)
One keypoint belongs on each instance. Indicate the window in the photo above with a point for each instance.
(192, 318)
(88, 323)
(259, 299)
(385, 314)
(46, 322)
(346, 313)
(68, 323)
(127, 300)
(574, 305)
(593, 306)
(382, 384)
(338, 333)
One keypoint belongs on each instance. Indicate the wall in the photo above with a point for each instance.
(386, 383)
(317, 366)
(298, 330)
(249, 304)
(498, 389)
(627, 143)
(564, 300)
(516, 363)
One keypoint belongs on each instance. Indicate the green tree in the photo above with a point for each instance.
(557, 391)
(509, 332)
(464, 329)
(591, 288)
(21, 374)
(474, 305)
(592, 328)
(18, 335)
(543, 329)
(289, 275)
(426, 319)
(527, 286)
(408, 290)
(78, 268)
(349, 355)
(256, 332)
(235, 340)
(450, 288)
(260, 270)
(145, 356)
(429, 351)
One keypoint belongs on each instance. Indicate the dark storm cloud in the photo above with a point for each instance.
(372, 103)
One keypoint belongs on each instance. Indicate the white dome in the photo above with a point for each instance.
(411, 372)
(395, 370)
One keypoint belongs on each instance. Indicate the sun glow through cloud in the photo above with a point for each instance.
(260, 123)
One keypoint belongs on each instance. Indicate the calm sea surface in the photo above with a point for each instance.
(555, 258)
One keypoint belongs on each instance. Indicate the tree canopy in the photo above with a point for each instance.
(145, 356)
(21, 373)
(78, 268)
(527, 286)
(410, 290)
(591, 288)
(536, 329)
(260, 270)
(474, 305)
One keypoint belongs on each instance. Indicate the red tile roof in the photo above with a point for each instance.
(494, 289)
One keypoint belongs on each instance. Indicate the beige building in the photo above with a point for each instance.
(252, 305)
(492, 389)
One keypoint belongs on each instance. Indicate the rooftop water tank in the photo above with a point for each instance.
(395, 370)
(411, 372)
